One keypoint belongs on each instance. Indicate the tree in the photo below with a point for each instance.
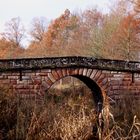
(55, 27)
(92, 21)
(91, 33)
(7, 50)
(125, 41)
(10, 41)
(39, 27)
(57, 37)
(14, 31)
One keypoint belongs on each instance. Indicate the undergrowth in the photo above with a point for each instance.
(70, 115)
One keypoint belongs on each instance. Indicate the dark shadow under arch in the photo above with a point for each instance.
(96, 91)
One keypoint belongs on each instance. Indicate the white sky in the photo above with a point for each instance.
(28, 9)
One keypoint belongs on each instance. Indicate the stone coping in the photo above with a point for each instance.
(69, 62)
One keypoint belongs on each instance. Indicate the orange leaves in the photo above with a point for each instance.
(56, 26)
(90, 33)
(55, 38)
(136, 5)
(130, 23)
(125, 39)
(128, 29)
(7, 50)
(92, 17)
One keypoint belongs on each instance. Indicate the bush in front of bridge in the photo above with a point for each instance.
(8, 114)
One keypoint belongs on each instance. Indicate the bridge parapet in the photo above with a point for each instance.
(69, 62)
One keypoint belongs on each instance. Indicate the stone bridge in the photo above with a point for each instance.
(33, 77)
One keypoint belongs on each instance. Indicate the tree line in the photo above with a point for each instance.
(115, 35)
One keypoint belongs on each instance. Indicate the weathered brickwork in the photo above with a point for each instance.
(115, 84)
(35, 81)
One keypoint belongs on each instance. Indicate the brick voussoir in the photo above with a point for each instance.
(55, 74)
(48, 81)
(59, 72)
(64, 72)
(97, 75)
(93, 74)
(89, 72)
(101, 78)
(85, 71)
(76, 71)
(51, 77)
(81, 71)
(68, 71)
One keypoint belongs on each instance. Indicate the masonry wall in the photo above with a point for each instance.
(36, 83)
(123, 84)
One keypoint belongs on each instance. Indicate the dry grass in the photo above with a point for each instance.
(65, 126)
(68, 116)
(124, 132)
(8, 114)
(124, 120)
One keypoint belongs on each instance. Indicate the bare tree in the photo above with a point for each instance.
(14, 31)
(39, 27)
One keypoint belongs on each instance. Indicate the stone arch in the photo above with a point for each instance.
(94, 79)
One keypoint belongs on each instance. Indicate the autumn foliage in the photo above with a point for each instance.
(89, 33)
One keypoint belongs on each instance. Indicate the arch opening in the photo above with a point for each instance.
(92, 85)
(96, 91)
(71, 88)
